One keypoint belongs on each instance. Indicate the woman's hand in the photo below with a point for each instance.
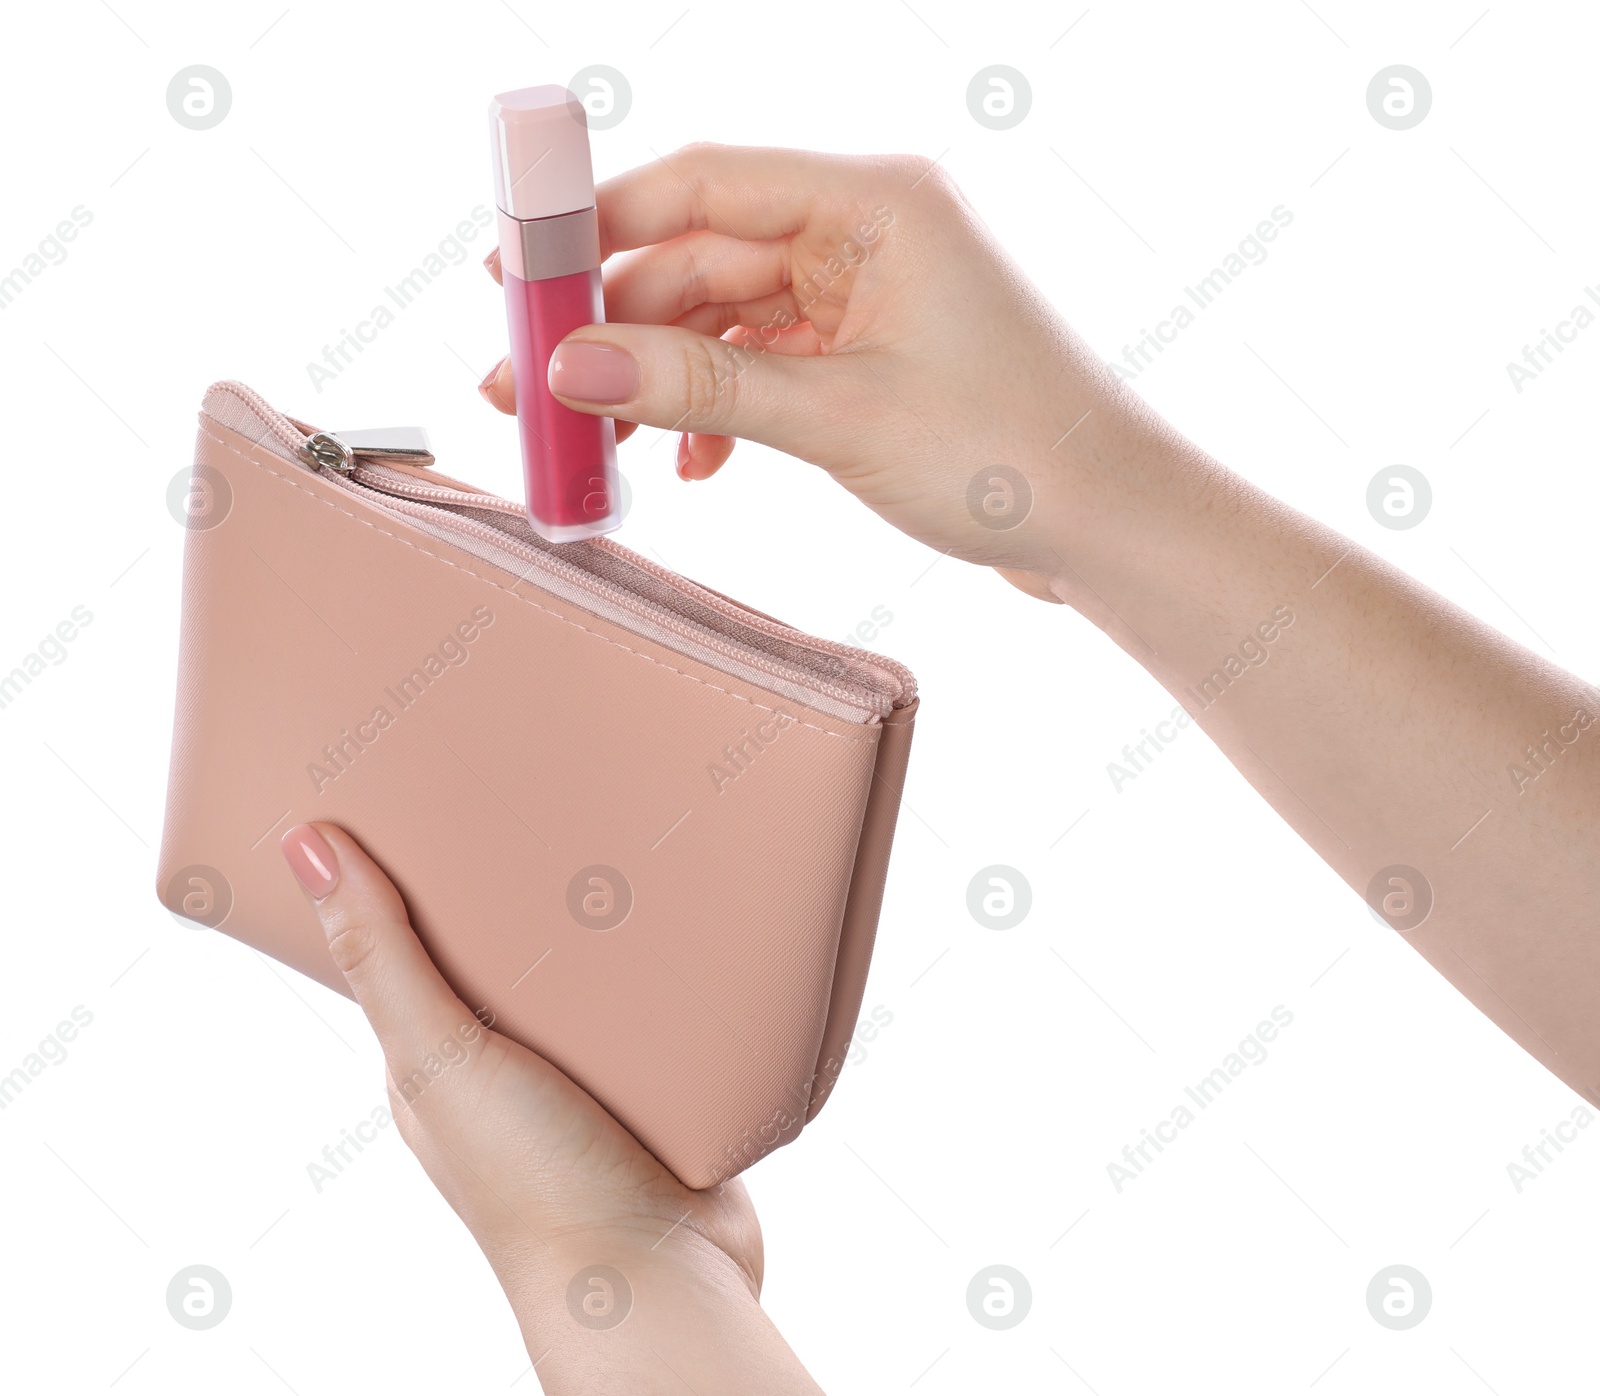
(853, 311)
(620, 1276)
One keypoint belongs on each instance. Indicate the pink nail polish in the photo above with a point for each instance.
(310, 859)
(594, 372)
(486, 387)
(550, 267)
(683, 456)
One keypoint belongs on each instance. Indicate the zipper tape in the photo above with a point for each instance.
(599, 576)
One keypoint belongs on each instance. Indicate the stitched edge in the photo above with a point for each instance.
(525, 600)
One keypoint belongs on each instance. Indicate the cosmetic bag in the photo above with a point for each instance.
(642, 829)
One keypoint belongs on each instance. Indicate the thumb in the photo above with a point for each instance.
(670, 377)
(404, 996)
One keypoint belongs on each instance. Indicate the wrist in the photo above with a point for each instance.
(606, 1312)
(1125, 518)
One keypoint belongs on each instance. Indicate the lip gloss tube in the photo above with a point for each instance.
(550, 265)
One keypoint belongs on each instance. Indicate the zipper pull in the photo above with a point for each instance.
(344, 450)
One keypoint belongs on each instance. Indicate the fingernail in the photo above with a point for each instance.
(496, 392)
(683, 456)
(492, 258)
(593, 372)
(311, 860)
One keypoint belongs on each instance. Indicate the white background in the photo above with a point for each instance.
(978, 1127)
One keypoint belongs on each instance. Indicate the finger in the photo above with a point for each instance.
(492, 262)
(500, 392)
(701, 455)
(404, 996)
(665, 376)
(802, 340)
(499, 388)
(742, 191)
(657, 284)
(765, 319)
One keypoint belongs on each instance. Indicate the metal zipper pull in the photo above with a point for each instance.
(344, 450)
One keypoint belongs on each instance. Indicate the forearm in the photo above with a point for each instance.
(1387, 726)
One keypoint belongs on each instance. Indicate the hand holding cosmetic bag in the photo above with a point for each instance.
(643, 828)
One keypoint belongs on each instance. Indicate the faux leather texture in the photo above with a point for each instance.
(487, 744)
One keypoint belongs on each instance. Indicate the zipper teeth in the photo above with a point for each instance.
(891, 677)
(894, 677)
(278, 425)
(415, 489)
(857, 697)
(897, 685)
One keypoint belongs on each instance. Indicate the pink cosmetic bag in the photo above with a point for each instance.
(642, 826)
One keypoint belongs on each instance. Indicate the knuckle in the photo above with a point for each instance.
(693, 148)
(697, 164)
(354, 944)
(892, 172)
(710, 381)
(902, 166)
(931, 181)
(695, 249)
(914, 182)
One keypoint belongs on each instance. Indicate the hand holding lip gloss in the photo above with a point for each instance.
(550, 265)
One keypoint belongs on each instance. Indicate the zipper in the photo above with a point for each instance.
(339, 450)
(598, 575)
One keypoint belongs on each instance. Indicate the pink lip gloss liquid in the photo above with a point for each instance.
(550, 264)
